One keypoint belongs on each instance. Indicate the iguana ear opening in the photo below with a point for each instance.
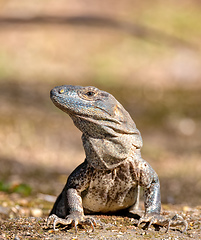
(127, 124)
(118, 114)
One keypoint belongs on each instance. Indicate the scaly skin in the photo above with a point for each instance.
(113, 171)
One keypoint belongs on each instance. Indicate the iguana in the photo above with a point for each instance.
(110, 177)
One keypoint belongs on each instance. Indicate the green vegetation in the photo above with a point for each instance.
(22, 188)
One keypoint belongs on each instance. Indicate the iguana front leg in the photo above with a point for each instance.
(68, 207)
(153, 206)
(152, 200)
(76, 214)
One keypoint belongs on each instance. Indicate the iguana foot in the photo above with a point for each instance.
(73, 218)
(177, 220)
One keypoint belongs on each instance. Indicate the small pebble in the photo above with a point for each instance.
(36, 212)
(16, 238)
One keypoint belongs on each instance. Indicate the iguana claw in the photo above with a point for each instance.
(74, 219)
(177, 220)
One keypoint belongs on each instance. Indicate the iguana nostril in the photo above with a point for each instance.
(61, 91)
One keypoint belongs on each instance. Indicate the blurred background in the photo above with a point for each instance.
(145, 53)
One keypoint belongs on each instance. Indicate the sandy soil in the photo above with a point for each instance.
(109, 227)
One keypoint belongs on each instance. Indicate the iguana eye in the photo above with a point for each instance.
(90, 94)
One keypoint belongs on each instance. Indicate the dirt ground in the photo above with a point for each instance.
(108, 227)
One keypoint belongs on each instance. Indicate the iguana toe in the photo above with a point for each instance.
(177, 220)
(74, 219)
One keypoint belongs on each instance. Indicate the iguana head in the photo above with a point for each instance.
(108, 130)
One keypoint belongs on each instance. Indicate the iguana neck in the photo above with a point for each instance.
(114, 150)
